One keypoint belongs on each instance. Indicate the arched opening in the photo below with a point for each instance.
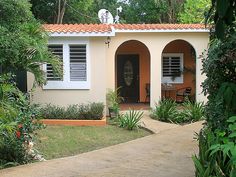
(132, 61)
(179, 71)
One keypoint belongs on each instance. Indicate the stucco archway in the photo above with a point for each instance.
(178, 68)
(133, 50)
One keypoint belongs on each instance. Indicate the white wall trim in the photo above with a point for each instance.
(66, 83)
(162, 30)
(80, 34)
(178, 80)
(113, 31)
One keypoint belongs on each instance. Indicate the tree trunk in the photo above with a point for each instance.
(58, 11)
(63, 11)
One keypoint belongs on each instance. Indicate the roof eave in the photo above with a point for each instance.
(162, 30)
(81, 34)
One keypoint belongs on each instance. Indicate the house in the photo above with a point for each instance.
(131, 56)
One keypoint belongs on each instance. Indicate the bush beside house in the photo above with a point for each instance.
(217, 140)
(92, 111)
(169, 111)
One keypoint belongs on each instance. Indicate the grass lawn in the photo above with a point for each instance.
(61, 141)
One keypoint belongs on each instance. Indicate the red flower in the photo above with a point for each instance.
(18, 134)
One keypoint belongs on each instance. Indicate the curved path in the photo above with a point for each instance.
(166, 154)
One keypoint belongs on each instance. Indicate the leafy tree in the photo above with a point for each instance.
(217, 147)
(194, 11)
(23, 42)
(224, 15)
(152, 11)
(63, 11)
(134, 11)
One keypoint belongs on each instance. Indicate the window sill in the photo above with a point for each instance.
(177, 80)
(62, 85)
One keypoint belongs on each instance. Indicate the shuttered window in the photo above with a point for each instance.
(171, 66)
(78, 66)
(58, 51)
(75, 59)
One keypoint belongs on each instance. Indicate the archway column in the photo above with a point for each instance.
(155, 80)
(200, 97)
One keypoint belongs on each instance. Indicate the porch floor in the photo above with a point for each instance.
(135, 106)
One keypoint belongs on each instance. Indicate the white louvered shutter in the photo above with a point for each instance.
(56, 50)
(78, 66)
(171, 66)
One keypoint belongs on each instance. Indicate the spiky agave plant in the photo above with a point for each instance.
(130, 120)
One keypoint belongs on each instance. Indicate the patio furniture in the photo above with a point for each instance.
(167, 89)
(147, 88)
(182, 94)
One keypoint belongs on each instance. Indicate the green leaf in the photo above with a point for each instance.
(1, 93)
(198, 165)
(232, 135)
(232, 119)
(232, 127)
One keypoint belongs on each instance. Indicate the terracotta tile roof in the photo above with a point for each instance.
(77, 28)
(158, 26)
(104, 28)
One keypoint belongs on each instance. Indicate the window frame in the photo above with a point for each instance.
(66, 83)
(167, 79)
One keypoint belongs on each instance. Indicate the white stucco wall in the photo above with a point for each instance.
(102, 67)
(97, 75)
(156, 42)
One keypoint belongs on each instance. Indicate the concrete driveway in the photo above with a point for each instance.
(166, 154)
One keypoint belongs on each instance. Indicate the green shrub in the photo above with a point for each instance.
(18, 122)
(113, 100)
(52, 111)
(96, 110)
(192, 111)
(217, 152)
(130, 120)
(165, 111)
(92, 111)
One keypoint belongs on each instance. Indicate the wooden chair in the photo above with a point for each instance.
(147, 88)
(182, 94)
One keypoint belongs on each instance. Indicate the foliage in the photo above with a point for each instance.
(219, 66)
(18, 122)
(63, 11)
(194, 11)
(92, 111)
(114, 99)
(217, 152)
(23, 42)
(193, 111)
(165, 110)
(130, 120)
(223, 13)
(134, 11)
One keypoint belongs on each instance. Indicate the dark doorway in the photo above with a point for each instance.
(128, 77)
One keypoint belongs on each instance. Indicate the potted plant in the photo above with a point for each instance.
(113, 101)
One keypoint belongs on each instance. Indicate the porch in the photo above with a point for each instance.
(178, 73)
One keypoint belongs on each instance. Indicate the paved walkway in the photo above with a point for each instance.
(165, 154)
(156, 126)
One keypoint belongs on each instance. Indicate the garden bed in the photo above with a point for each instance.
(101, 122)
(75, 115)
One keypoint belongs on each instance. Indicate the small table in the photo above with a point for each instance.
(167, 88)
